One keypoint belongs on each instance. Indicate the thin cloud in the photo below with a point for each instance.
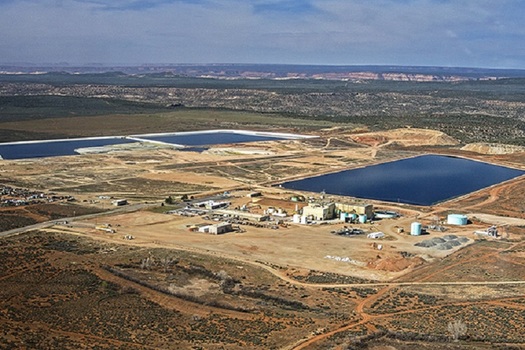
(136, 5)
(411, 32)
(285, 7)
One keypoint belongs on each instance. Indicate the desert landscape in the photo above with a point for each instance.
(142, 275)
(262, 174)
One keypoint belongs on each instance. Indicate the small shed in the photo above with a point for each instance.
(375, 235)
(119, 202)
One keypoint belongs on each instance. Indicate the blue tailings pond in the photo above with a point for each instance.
(422, 180)
(54, 148)
(209, 138)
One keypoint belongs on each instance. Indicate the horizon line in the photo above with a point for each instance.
(160, 64)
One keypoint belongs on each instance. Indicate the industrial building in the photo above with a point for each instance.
(359, 209)
(320, 211)
(217, 229)
(211, 205)
(326, 211)
(243, 215)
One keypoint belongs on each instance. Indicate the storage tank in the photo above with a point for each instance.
(304, 220)
(353, 216)
(362, 218)
(415, 229)
(296, 219)
(383, 214)
(457, 219)
(343, 216)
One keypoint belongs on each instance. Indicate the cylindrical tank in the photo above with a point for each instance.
(362, 218)
(296, 219)
(343, 216)
(415, 229)
(383, 214)
(457, 219)
(353, 216)
(304, 220)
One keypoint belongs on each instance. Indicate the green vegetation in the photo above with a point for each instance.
(17, 108)
(510, 89)
(471, 111)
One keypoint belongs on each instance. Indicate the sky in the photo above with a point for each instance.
(453, 33)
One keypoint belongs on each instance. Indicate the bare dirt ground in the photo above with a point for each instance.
(292, 287)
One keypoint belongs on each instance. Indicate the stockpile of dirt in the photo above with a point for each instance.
(407, 137)
(396, 264)
(492, 148)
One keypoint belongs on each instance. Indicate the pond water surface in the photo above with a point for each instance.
(422, 180)
(209, 138)
(53, 148)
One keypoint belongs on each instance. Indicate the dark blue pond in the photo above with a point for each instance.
(53, 148)
(423, 180)
(204, 139)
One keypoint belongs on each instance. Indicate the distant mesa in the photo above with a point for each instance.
(279, 72)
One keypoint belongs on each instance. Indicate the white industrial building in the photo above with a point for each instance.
(217, 229)
(327, 211)
(243, 215)
(320, 211)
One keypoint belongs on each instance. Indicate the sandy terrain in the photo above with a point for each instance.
(187, 177)
(296, 246)
(156, 174)
(351, 285)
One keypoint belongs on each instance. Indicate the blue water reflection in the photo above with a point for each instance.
(423, 180)
(215, 138)
(54, 148)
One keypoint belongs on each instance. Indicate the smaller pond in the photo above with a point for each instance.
(210, 138)
(423, 180)
(195, 139)
(54, 148)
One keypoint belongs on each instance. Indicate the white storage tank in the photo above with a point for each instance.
(457, 219)
(343, 216)
(296, 219)
(384, 214)
(415, 229)
(362, 218)
(304, 219)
